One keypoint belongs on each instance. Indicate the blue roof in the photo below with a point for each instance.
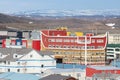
(70, 66)
(115, 63)
(18, 76)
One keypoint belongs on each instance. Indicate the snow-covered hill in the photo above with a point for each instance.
(60, 13)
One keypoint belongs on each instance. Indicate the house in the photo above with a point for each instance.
(58, 77)
(74, 72)
(25, 60)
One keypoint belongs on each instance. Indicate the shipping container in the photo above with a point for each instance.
(3, 33)
(8, 42)
(19, 34)
(26, 34)
(36, 45)
(18, 42)
(35, 35)
(29, 43)
(24, 43)
(12, 33)
(3, 43)
(13, 42)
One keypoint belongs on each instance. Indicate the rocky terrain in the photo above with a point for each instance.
(86, 24)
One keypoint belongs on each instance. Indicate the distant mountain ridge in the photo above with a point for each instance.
(62, 13)
(11, 19)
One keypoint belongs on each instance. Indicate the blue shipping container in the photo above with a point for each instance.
(18, 41)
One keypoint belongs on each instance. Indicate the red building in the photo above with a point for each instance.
(92, 70)
(88, 49)
(73, 48)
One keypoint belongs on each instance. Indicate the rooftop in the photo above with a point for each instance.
(57, 77)
(104, 67)
(58, 70)
(18, 76)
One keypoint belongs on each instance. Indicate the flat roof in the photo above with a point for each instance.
(104, 67)
(59, 70)
(18, 76)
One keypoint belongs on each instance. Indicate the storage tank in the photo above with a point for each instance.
(36, 45)
(3, 43)
(18, 42)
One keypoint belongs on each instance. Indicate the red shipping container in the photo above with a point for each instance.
(13, 41)
(36, 45)
(3, 43)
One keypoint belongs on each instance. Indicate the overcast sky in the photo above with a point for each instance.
(23, 5)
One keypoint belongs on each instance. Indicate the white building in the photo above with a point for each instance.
(114, 39)
(25, 60)
(113, 53)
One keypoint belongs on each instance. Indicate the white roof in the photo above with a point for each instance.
(104, 67)
(59, 70)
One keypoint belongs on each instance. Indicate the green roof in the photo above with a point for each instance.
(113, 45)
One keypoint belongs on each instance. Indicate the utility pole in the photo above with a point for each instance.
(85, 50)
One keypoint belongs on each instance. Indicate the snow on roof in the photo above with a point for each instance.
(104, 67)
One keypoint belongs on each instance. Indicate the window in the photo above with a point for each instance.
(100, 41)
(49, 46)
(8, 70)
(117, 49)
(72, 40)
(66, 40)
(42, 65)
(18, 70)
(92, 47)
(8, 62)
(100, 47)
(16, 56)
(31, 56)
(0, 55)
(18, 63)
(42, 55)
(51, 40)
(4, 62)
(93, 41)
(58, 40)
